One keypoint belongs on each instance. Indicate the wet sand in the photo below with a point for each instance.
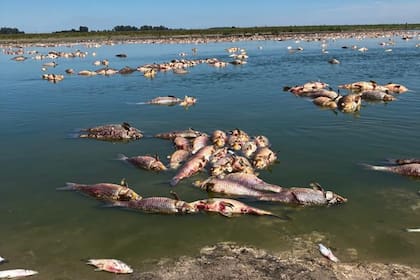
(232, 261)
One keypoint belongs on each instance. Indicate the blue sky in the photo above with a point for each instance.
(34, 16)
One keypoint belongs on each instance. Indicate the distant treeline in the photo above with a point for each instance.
(8, 30)
(148, 31)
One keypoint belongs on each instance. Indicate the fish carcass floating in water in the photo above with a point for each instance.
(228, 207)
(326, 252)
(177, 158)
(16, 273)
(253, 182)
(263, 158)
(195, 164)
(105, 191)
(326, 102)
(408, 169)
(349, 103)
(188, 133)
(169, 100)
(306, 88)
(157, 205)
(396, 88)
(227, 187)
(112, 132)
(2, 260)
(188, 101)
(110, 265)
(305, 196)
(145, 162)
(377, 95)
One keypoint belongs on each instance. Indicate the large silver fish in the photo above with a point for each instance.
(253, 182)
(105, 191)
(159, 205)
(165, 100)
(145, 162)
(195, 164)
(188, 133)
(227, 187)
(16, 273)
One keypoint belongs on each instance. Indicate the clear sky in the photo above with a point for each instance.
(37, 16)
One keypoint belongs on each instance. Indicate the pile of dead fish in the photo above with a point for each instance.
(324, 96)
(231, 159)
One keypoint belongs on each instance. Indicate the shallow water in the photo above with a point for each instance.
(51, 231)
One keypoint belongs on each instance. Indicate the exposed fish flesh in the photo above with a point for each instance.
(110, 265)
(253, 182)
(409, 169)
(112, 132)
(227, 207)
(195, 164)
(159, 205)
(165, 100)
(188, 133)
(219, 138)
(145, 162)
(104, 191)
(326, 252)
(16, 273)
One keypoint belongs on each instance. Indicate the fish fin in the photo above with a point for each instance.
(316, 186)
(68, 187)
(173, 96)
(122, 157)
(124, 183)
(286, 88)
(175, 195)
(375, 167)
(126, 125)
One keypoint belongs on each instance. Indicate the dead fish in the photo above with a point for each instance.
(396, 88)
(237, 138)
(219, 138)
(105, 191)
(219, 154)
(409, 169)
(360, 86)
(182, 143)
(110, 265)
(305, 196)
(227, 187)
(253, 182)
(188, 133)
(112, 132)
(349, 103)
(326, 252)
(323, 101)
(19, 58)
(2, 260)
(126, 70)
(262, 141)
(228, 207)
(145, 162)
(158, 205)
(165, 100)
(199, 142)
(377, 95)
(412, 229)
(178, 157)
(249, 148)
(263, 158)
(16, 273)
(195, 164)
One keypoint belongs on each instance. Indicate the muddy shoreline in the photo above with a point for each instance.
(228, 260)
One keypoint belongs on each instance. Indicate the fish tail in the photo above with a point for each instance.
(375, 167)
(122, 157)
(68, 187)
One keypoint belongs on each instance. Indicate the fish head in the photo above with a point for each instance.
(333, 198)
(158, 166)
(127, 194)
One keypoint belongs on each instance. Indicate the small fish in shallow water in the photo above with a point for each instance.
(110, 265)
(15, 273)
(326, 252)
